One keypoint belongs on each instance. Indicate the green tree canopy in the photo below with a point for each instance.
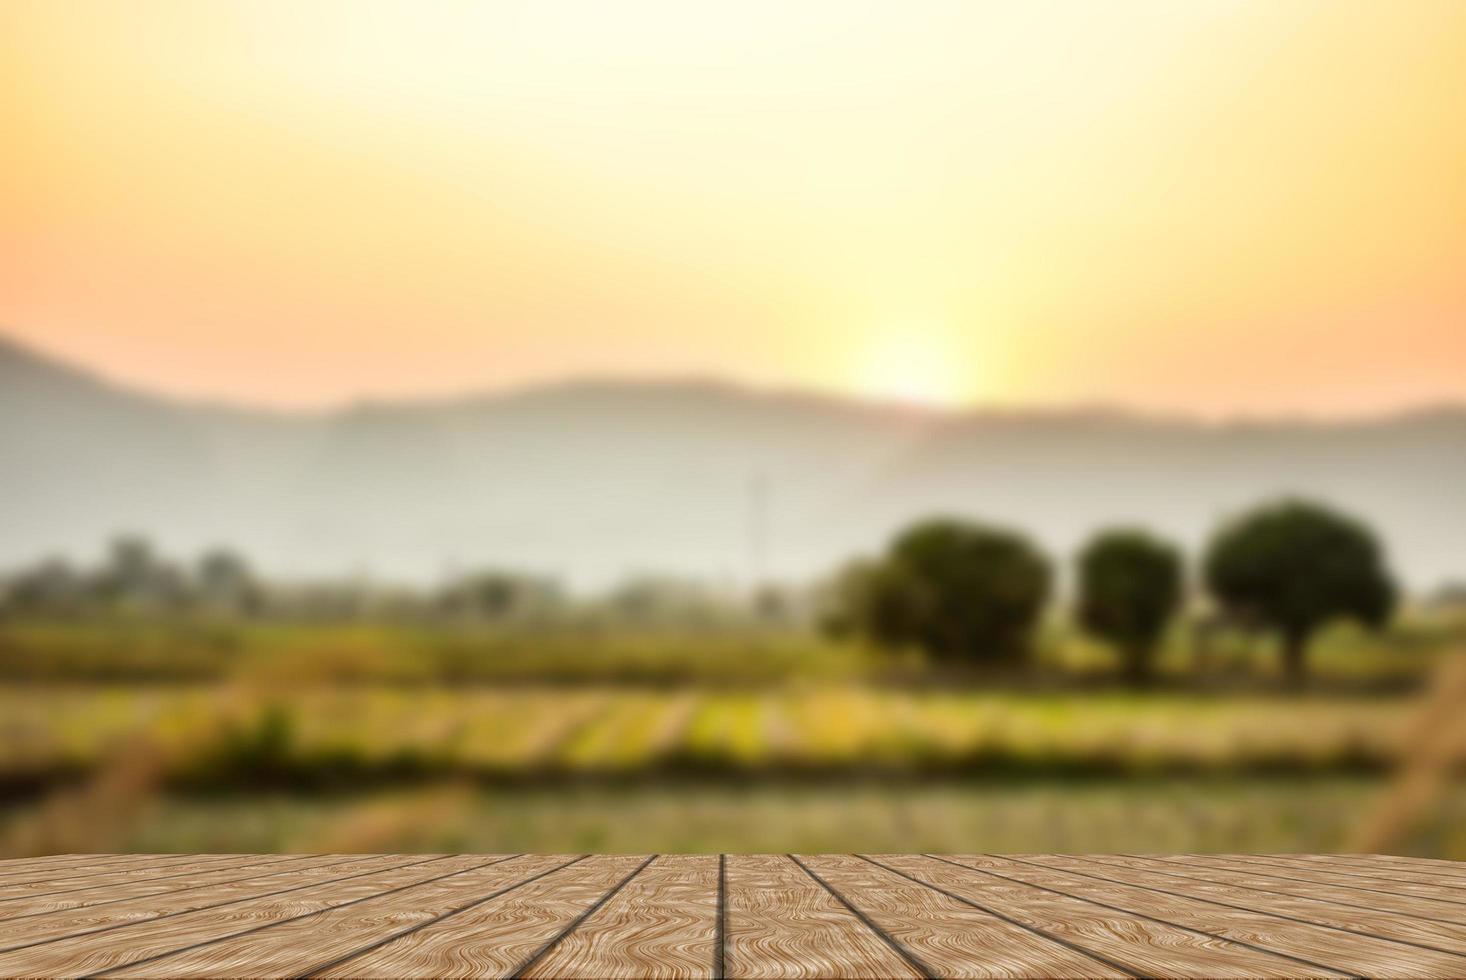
(956, 589)
(1294, 565)
(1129, 588)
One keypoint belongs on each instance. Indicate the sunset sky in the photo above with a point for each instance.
(1206, 207)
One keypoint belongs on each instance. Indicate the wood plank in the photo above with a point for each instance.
(51, 939)
(1240, 874)
(1442, 936)
(187, 878)
(30, 884)
(1262, 876)
(549, 916)
(1404, 882)
(495, 936)
(1374, 862)
(1403, 860)
(779, 922)
(953, 938)
(1414, 882)
(116, 948)
(30, 859)
(1445, 900)
(1321, 947)
(1389, 867)
(1141, 943)
(663, 924)
(10, 867)
(293, 947)
(65, 922)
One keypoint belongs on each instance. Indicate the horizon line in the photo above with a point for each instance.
(368, 401)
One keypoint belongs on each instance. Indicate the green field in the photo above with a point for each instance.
(194, 736)
(141, 650)
(813, 767)
(330, 736)
(1146, 816)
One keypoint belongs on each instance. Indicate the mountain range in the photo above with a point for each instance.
(593, 480)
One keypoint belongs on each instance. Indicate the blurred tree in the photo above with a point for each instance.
(1129, 588)
(1293, 566)
(954, 588)
(494, 596)
(52, 586)
(666, 600)
(225, 582)
(1448, 597)
(132, 558)
(130, 572)
(773, 604)
(874, 599)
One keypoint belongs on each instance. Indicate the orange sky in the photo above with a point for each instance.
(1210, 207)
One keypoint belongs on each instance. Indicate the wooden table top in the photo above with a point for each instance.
(760, 915)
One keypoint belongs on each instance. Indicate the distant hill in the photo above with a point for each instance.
(592, 480)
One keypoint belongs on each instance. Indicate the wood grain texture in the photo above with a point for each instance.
(781, 923)
(1404, 861)
(70, 922)
(85, 875)
(1313, 944)
(495, 937)
(952, 938)
(1377, 863)
(183, 878)
(124, 937)
(12, 867)
(1144, 944)
(1261, 880)
(1380, 863)
(1444, 936)
(662, 924)
(292, 947)
(1396, 880)
(904, 915)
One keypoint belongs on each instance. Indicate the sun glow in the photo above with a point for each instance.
(1220, 206)
(912, 365)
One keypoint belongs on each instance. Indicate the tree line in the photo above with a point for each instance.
(961, 590)
(135, 579)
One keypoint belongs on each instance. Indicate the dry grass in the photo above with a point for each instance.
(1432, 749)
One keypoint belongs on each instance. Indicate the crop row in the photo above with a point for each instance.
(233, 736)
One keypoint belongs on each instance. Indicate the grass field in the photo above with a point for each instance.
(1164, 815)
(132, 650)
(331, 737)
(192, 736)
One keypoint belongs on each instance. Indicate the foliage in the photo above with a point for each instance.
(955, 589)
(1129, 588)
(1293, 566)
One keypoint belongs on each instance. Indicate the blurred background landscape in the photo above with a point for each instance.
(524, 427)
(165, 693)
